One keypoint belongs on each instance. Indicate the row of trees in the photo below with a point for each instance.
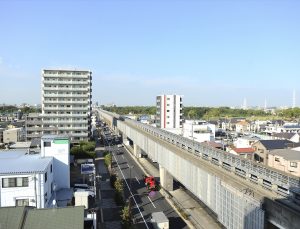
(132, 109)
(117, 183)
(210, 112)
(8, 109)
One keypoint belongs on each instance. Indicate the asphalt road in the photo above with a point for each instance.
(143, 204)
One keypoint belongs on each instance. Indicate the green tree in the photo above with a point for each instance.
(126, 217)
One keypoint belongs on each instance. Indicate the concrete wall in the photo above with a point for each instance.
(280, 215)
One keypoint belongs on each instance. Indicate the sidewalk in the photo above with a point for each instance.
(110, 212)
(197, 216)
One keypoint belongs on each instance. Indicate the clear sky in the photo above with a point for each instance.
(214, 52)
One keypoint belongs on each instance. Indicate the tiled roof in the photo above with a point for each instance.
(69, 217)
(18, 162)
(274, 144)
(288, 154)
(11, 217)
(244, 123)
(244, 150)
(284, 135)
(213, 144)
(48, 218)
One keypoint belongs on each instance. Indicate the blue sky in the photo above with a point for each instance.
(215, 53)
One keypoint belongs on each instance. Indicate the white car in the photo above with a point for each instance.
(82, 187)
(89, 192)
(120, 145)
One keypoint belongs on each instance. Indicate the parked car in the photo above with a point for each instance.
(82, 187)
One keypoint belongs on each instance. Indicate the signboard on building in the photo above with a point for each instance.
(87, 168)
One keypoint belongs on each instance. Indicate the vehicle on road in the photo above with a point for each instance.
(82, 187)
(151, 183)
(120, 145)
(159, 220)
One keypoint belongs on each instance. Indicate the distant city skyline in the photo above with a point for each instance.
(215, 53)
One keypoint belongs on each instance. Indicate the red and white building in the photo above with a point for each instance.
(169, 111)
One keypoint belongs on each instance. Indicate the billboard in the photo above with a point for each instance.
(87, 168)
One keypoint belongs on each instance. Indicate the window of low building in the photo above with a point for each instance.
(22, 202)
(294, 164)
(14, 182)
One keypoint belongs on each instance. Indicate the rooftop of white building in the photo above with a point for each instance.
(19, 161)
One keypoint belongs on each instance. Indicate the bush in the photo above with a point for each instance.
(107, 160)
(84, 150)
(118, 185)
(126, 217)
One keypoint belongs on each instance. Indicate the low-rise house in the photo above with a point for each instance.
(26, 179)
(286, 160)
(13, 135)
(243, 152)
(198, 130)
(31, 178)
(230, 124)
(243, 126)
(213, 144)
(293, 137)
(263, 147)
(245, 141)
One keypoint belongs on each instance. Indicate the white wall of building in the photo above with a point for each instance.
(198, 130)
(38, 191)
(59, 149)
(169, 111)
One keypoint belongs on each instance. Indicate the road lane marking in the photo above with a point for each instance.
(131, 192)
(151, 202)
(137, 180)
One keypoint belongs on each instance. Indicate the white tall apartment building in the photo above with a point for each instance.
(169, 111)
(66, 103)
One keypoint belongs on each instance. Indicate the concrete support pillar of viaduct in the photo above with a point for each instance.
(166, 179)
(125, 140)
(137, 152)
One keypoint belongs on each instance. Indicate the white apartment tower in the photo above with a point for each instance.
(169, 111)
(66, 103)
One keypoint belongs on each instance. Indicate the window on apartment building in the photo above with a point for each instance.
(277, 159)
(22, 202)
(46, 177)
(294, 164)
(14, 182)
(47, 144)
(51, 169)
